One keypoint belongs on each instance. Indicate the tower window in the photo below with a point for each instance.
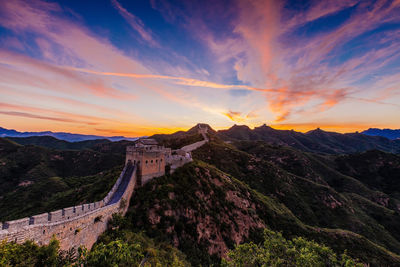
(146, 161)
(151, 161)
(156, 160)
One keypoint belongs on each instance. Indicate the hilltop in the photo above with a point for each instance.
(70, 137)
(319, 185)
(388, 133)
(37, 179)
(317, 140)
(204, 212)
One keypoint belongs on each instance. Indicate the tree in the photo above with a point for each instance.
(29, 254)
(278, 251)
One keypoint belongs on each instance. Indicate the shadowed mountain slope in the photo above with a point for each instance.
(388, 133)
(313, 141)
(316, 193)
(204, 211)
(70, 137)
(183, 138)
(54, 143)
(37, 179)
(242, 181)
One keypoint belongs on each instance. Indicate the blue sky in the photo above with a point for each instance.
(141, 67)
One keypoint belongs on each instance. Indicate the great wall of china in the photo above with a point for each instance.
(83, 224)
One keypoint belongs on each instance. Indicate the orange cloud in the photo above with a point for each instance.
(238, 116)
(295, 68)
(40, 113)
(35, 116)
(34, 72)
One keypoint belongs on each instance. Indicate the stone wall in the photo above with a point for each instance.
(82, 224)
(150, 160)
(191, 147)
(176, 161)
(73, 226)
(152, 165)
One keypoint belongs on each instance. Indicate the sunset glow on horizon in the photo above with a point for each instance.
(136, 68)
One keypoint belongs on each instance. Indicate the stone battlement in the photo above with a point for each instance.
(73, 226)
(82, 224)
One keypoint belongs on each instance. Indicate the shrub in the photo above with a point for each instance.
(278, 251)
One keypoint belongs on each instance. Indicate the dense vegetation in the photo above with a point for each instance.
(204, 212)
(124, 249)
(36, 179)
(311, 187)
(178, 139)
(275, 250)
(244, 181)
(51, 142)
(318, 141)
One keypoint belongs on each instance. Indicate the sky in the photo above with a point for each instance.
(119, 67)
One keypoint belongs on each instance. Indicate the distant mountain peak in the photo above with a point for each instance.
(264, 127)
(200, 125)
(388, 133)
(70, 137)
(235, 126)
(316, 130)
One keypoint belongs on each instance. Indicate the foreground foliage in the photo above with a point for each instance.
(30, 254)
(130, 249)
(278, 251)
(135, 249)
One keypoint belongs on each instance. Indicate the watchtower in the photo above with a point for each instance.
(149, 157)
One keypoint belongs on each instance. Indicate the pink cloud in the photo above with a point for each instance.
(34, 72)
(294, 71)
(77, 45)
(48, 114)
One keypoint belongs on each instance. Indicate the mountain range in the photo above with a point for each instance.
(314, 141)
(70, 137)
(317, 140)
(340, 190)
(388, 133)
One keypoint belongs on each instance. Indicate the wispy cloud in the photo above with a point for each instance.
(34, 116)
(136, 23)
(239, 116)
(280, 64)
(48, 114)
(268, 54)
(36, 72)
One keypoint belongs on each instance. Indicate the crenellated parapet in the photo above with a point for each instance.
(82, 224)
(77, 225)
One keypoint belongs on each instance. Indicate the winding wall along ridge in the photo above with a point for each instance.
(83, 224)
(74, 226)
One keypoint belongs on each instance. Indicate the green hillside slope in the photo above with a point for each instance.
(36, 179)
(313, 141)
(306, 186)
(204, 212)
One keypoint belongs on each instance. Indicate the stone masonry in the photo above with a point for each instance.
(73, 226)
(82, 224)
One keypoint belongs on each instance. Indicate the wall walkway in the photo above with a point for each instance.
(83, 224)
(74, 226)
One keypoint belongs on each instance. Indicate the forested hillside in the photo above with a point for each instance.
(36, 179)
(234, 190)
(317, 140)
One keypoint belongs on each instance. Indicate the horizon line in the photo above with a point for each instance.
(280, 127)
